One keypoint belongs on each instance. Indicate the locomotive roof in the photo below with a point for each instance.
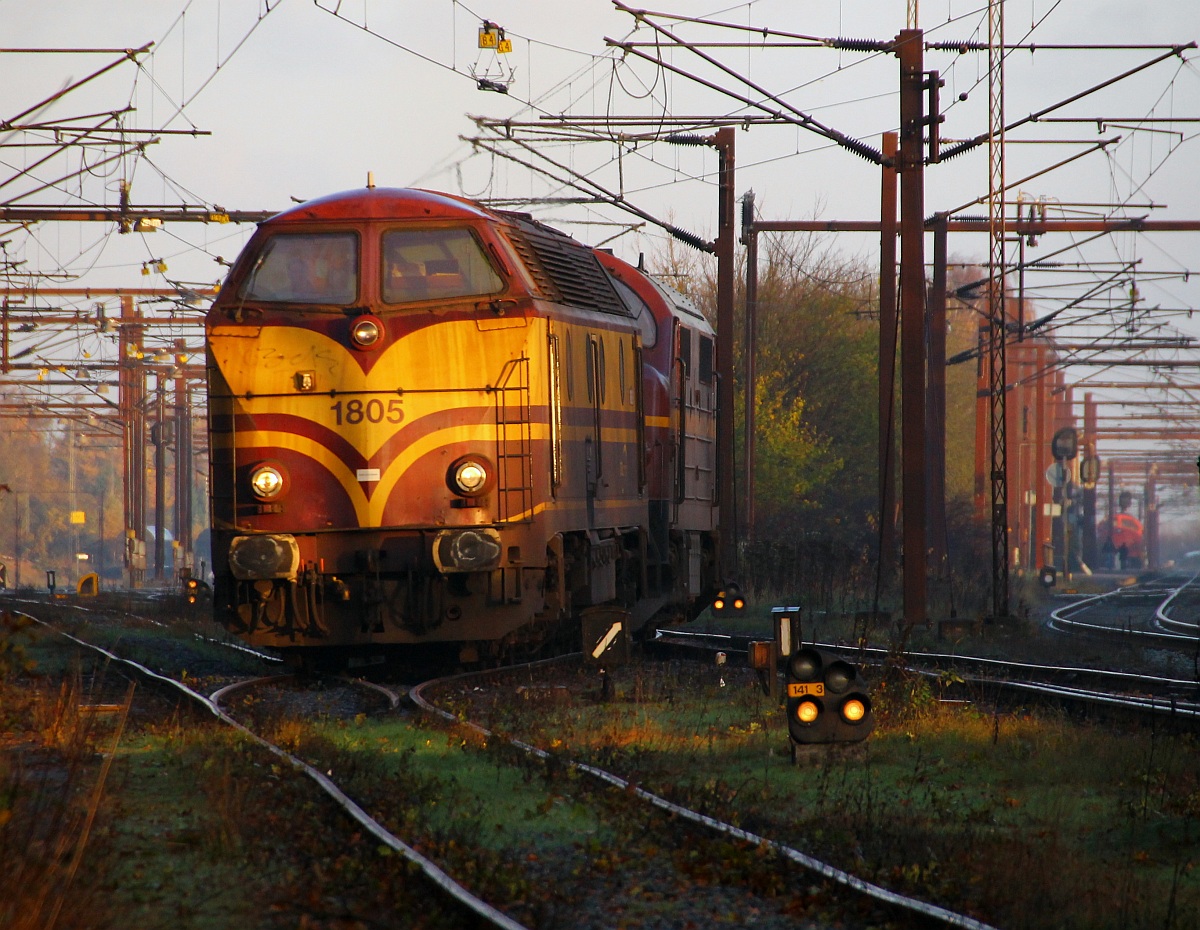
(564, 269)
(383, 203)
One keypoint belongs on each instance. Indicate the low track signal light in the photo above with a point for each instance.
(729, 600)
(826, 699)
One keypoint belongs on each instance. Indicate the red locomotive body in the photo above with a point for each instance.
(1125, 542)
(435, 423)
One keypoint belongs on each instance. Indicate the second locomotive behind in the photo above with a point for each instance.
(435, 423)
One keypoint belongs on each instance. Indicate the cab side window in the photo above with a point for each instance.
(706, 360)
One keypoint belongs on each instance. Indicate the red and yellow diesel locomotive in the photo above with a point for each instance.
(435, 423)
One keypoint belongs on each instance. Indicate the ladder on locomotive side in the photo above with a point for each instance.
(514, 444)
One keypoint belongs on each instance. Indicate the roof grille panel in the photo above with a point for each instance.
(564, 270)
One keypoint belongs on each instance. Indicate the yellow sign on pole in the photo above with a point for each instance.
(77, 516)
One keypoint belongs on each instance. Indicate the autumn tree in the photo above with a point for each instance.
(39, 456)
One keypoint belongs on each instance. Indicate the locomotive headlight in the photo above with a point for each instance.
(366, 331)
(266, 481)
(470, 476)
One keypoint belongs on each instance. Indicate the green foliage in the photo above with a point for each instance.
(817, 357)
(817, 409)
(903, 698)
(793, 462)
(815, 391)
(1022, 819)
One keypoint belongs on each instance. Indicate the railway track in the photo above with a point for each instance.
(902, 907)
(1160, 612)
(452, 892)
(596, 836)
(257, 705)
(1003, 681)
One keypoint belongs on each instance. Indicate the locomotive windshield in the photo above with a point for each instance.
(305, 268)
(423, 264)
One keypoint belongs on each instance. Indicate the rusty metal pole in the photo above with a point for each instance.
(1150, 526)
(183, 464)
(1041, 451)
(910, 48)
(982, 447)
(1032, 479)
(1064, 396)
(1012, 426)
(997, 310)
(750, 241)
(887, 360)
(131, 404)
(1088, 524)
(726, 240)
(4, 369)
(936, 427)
(1110, 522)
(159, 435)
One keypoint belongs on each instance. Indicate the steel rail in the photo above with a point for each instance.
(1060, 622)
(1160, 615)
(846, 879)
(879, 655)
(430, 869)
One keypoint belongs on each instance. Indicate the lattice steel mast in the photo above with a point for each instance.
(996, 309)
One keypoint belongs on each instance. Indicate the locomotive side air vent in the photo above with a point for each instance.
(564, 270)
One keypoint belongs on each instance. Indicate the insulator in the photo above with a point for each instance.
(861, 149)
(961, 147)
(691, 239)
(687, 138)
(859, 45)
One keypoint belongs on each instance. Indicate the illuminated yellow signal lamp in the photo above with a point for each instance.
(826, 699)
(196, 590)
(729, 600)
(807, 712)
(854, 710)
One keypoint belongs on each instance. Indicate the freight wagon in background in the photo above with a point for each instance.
(437, 425)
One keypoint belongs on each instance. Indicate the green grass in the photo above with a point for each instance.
(196, 828)
(454, 786)
(1027, 819)
(1024, 819)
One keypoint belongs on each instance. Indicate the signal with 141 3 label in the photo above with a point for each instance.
(827, 700)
